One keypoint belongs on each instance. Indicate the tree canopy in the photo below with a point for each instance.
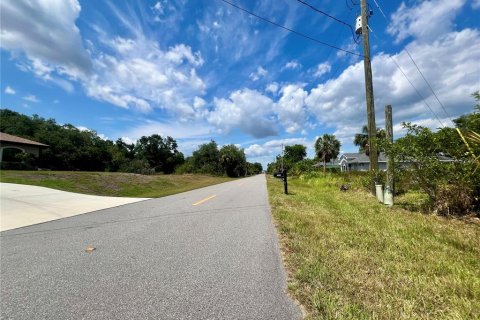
(327, 147)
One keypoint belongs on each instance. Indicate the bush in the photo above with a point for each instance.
(453, 200)
(137, 166)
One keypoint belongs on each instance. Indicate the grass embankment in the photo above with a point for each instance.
(350, 257)
(112, 183)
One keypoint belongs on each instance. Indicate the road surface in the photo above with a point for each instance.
(210, 253)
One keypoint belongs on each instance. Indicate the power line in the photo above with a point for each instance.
(291, 30)
(416, 66)
(327, 15)
(348, 13)
(411, 84)
(381, 11)
(354, 37)
(431, 89)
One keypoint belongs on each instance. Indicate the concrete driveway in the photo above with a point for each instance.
(23, 205)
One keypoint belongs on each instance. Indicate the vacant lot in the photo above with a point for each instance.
(111, 184)
(350, 257)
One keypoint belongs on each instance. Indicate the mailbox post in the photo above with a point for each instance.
(282, 175)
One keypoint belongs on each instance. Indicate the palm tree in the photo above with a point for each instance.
(361, 139)
(327, 148)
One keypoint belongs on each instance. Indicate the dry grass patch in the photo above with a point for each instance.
(112, 183)
(353, 258)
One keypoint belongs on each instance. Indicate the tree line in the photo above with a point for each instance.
(327, 148)
(84, 150)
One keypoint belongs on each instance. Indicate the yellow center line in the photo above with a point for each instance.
(204, 200)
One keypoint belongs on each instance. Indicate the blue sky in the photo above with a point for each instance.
(201, 70)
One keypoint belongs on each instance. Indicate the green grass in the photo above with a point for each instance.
(112, 183)
(350, 257)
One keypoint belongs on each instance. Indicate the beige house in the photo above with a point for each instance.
(11, 145)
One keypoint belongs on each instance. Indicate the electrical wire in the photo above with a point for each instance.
(329, 16)
(416, 66)
(431, 89)
(380, 9)
(411, 84)
(324, 13)
(291, 30)
(328, 57)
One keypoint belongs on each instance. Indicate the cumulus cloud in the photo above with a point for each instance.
(131, 73)
(425, 21)
(142, 76)
(272, 87)
(321, 69)
(266, 152)
(245, 109)
(290, 107)
(178, 130)
(45, 30)
(257, 74)
(271, 147)
(451, 70)
(9, 90)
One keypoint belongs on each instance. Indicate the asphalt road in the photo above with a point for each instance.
(210, 253)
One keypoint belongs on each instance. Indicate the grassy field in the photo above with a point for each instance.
(350, 257)
(111, 183)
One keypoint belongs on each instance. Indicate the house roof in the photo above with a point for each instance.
(333, 163)
(362, 157)
(14, 139)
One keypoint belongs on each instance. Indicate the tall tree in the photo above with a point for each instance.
(361, 139)
(295, 153)
(327, 148)
(207, 159)
(161, 153)
(232, 160)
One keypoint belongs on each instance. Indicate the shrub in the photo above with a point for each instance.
(137, 166)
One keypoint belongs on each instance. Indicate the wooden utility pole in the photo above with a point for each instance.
(372, 128)
(389, 187)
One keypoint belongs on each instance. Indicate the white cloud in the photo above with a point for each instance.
(425, 20)
(82, 128)
(9, 90)
(131, 72)
(147, 77)
(290, 107)
(476, 4)
(259, 73)
(431, 123)
(30, 98)
(245, 109)
(321, 69)
(266, 152)
(451, 70)
(128, 140)
(176, 130)
(46, 30)
(272, 147)
(272, 87)
(256, 150)
(292, 65)
(158, 8)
